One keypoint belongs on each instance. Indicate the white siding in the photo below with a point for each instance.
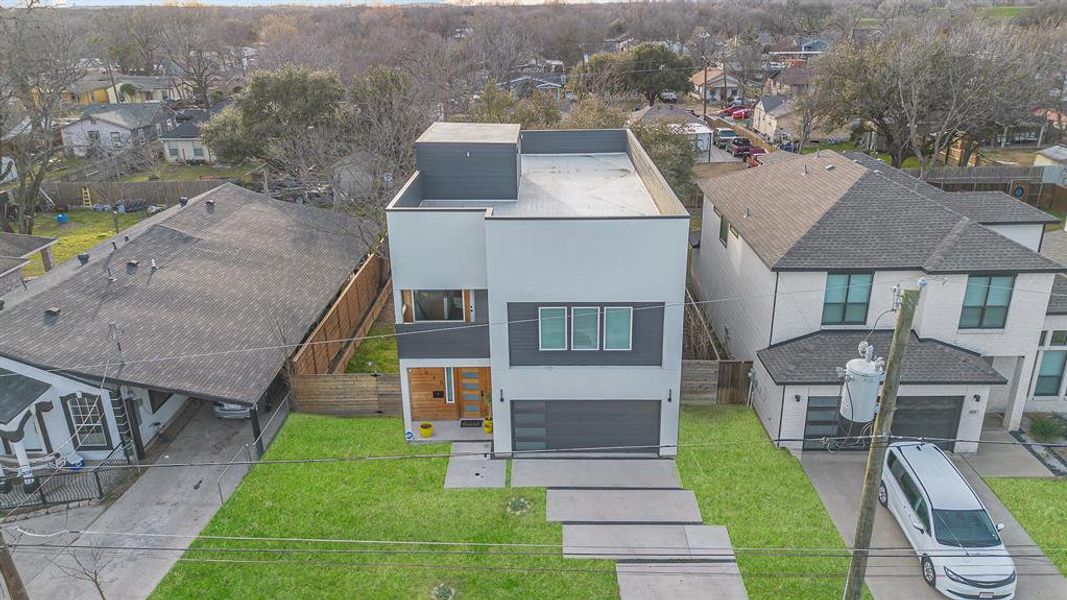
(76, 136)
(737, 289)
(1028, 235)
(595, 260)
(186, 151)
(167, 412)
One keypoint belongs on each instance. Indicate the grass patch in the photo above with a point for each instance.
(1040, 505)
(762, 495)
(376, 354)
(166, 171)
(85, 229)
(378, 500)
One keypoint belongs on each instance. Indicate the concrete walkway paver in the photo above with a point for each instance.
(625, 506)
(1003, 460)
(838, 479)
(472, 466)
(594, 473)
(680, 581)
(685, 542)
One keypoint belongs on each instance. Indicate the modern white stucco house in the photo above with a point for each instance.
(538, 279)
(797, 260)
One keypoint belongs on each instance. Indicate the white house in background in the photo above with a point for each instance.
(680, 120)
(716, 86)
(147, 88)
(538, 279)
(798, 259)
(109, 128)
(183, 143)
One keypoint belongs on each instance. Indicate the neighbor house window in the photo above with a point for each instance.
(1059, 338)
(985, 304)
(847, 297)
(198, 151)
(585, 328)
(172, 151)
(618, 327)
(552, 328)
(1050, 374)
(438, 305)
(724, 230)
(85, 417)
(116, 139)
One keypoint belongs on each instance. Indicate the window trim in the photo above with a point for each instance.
(596, 336)
(845, 304)
(1060, 377)
(724, 230)
(985, 301)
(540, 338)
(630, 341)
(414, 302)
(75, 439)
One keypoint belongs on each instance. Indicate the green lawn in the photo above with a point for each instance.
(1040, 505)
(85, 229)
(378, 500)
(165, 171)
(376, 355)
(762, 495)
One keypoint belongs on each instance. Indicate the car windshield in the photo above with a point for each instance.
(965, 528)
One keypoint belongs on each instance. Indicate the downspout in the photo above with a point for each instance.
(774, 307)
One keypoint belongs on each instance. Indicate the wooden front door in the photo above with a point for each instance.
(472, 390)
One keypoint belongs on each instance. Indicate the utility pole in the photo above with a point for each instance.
(704, 92)
(12, 580)
(883, 422)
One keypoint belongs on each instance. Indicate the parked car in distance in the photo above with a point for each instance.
(739, 146)
(668, 96)
(753, 153)
(723, 135)
(960, 551)
(741, 114)
(789, 146)
(726, 112)
(229, 410)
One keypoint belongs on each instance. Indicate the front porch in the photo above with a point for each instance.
(450, 431)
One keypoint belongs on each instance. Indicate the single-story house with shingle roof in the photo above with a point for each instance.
(15, 251)
(183, 143)
(203, 303)
(108, 128)
(797, 263)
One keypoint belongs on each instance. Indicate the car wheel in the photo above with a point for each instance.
(883, 495)
(929, 574)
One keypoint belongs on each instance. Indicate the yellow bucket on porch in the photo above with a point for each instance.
(487, 425)
(425, 429)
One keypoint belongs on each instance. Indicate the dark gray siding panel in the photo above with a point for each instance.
(481, 306)
(442, 340)
(491, 172)
(647, 346)
(574, 141)
(596, 425)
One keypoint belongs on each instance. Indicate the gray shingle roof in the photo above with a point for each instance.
(824, 211)
(129, 116)
(813, 359)
(9, 264)
(988, 207)
(773, 103)
(1057, 302)
(18, 245)
(252, 274)
(17, 392)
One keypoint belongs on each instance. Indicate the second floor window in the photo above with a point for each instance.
(847, 297)
(985, 304)
(438, 305)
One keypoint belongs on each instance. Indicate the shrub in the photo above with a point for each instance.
(1047, 429)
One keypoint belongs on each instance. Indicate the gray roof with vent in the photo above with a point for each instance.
(251, 274)
(814, 359)
(825, 211)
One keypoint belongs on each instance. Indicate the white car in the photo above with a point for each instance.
(959, 547)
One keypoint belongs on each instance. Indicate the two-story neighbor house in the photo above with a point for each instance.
(539, 278)
(797, 260)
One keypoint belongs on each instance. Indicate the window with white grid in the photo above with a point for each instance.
(88, 425)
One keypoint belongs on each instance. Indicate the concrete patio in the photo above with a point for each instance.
(472, 466)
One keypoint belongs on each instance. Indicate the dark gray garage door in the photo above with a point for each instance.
(571, 424)
(916, 416)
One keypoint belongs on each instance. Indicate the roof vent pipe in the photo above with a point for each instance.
(805, 168)
(154, 266)
(210, 205)
(183, 200)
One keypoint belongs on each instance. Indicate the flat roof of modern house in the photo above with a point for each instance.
(471, 133)
(562, 185)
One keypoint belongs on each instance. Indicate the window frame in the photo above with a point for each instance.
(75, 431)
(724, 230)
(596, 334)
(844, 305)
(415, 304)
(1059, 377)
(985, 302)
(630, 340)
(540, 336)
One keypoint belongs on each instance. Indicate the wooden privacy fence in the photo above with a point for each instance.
(164, 193)
(329, 346)
(347, 394)
(715, 381)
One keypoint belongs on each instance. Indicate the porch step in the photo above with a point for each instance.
(649, 542)
(594, 473)
(623, 506)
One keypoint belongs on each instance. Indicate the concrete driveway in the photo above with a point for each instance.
(173, 501)
(838, 479)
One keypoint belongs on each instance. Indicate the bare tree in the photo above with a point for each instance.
(44, 54)
(191, 43)
(500, 45)
(86, 564)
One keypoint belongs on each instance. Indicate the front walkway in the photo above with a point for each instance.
(173, 501)
(1003, 459)
(838, 479)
